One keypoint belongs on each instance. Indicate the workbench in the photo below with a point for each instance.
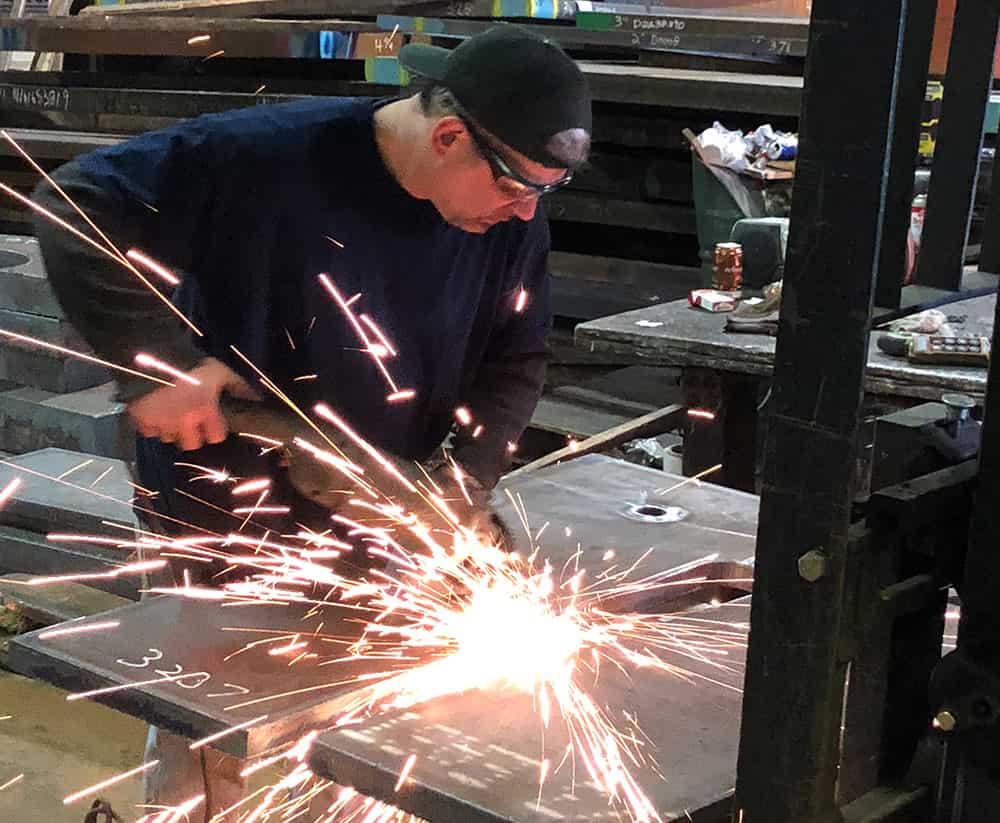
(725, 372)
(478, 754)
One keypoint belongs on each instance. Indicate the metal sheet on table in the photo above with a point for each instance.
(478, 755)
(88, 493)
(164, 633)
(578, 509)
(585, 495)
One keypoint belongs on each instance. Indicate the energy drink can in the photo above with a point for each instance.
(727, 274)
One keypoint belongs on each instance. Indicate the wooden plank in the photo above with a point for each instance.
(655, 422)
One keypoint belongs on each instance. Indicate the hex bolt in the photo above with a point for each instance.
(813, 565)
(945, 721)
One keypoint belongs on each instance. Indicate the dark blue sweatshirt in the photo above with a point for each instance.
(249, 207)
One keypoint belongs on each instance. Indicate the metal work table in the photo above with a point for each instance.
(675, 334)
(479, 756)
(584, 502)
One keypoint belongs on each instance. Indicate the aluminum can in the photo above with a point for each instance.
(783, 148)
(727, 274)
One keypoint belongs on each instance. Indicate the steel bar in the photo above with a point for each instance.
(914, 63)
(951, 196)
(795, 675)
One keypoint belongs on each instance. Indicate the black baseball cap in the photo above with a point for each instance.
(520, 87)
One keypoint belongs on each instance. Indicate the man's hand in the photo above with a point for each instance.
(189, 415)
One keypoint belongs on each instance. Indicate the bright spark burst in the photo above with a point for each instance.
(12, 781)
(111, 781)
(150, 362)
(522, 300)
(87, 628)
(701, 414)
(150, 264)
(9, 490)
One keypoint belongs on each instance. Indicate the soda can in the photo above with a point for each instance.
(727, 274)
(783, 148)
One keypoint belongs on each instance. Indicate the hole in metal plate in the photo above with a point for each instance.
(8, 259)
(655, 513)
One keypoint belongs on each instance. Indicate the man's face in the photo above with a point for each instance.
(472, 189)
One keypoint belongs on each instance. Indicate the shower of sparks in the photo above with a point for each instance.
(463, 415)
(256, 485)
(260, 88)
(405, 771)
(150, 264)
(522, 301)
(74, 469)
(364, 318)
(173, 814)
(111, 781)
(199, 38)
(477, 431)
(150, 362)
(9, 490)
(303, 377)
(225, 732)
(215, 475)
(102, 475)
(12, 781)
(356, 325)
(109, 250)
(695, 478)
(511, 447)
(42, 344)
(401, 395)
(86, 628)
(337, 243)
(701, 414)
(218, 53)
(120, 571)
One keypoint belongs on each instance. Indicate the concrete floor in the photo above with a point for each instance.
(61, 748)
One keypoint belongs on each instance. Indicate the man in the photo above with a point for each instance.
(425, 207)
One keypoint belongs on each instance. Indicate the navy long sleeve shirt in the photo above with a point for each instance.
(249, 208)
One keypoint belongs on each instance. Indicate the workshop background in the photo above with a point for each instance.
(670, 251)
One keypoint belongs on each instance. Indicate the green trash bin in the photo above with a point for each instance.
(717, 209)
(715, 212)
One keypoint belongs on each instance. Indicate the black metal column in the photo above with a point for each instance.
(789, 748)
(989, 256)
(952, 189)
(914, 64)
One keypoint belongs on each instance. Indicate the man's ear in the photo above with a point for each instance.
(447, 134)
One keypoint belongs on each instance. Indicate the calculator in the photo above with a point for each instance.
(954, 351)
